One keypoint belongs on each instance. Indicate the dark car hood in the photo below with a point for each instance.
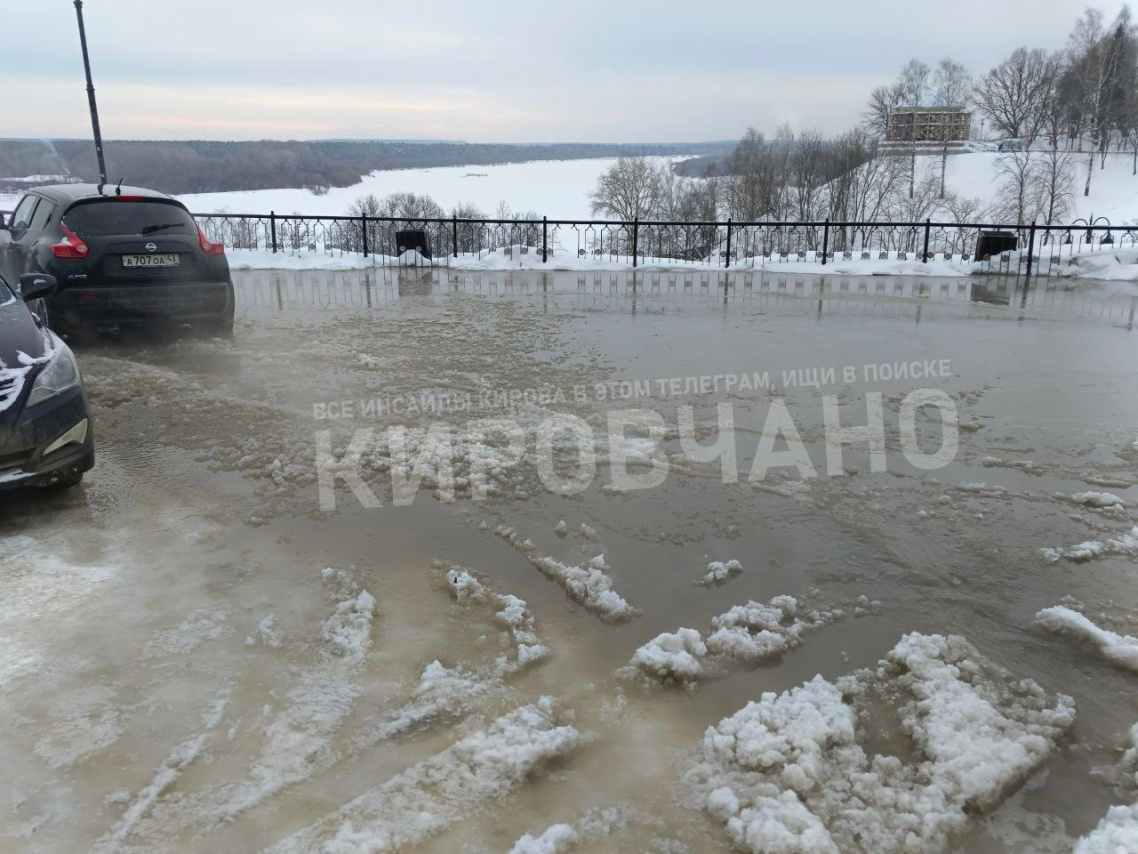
(19, 332)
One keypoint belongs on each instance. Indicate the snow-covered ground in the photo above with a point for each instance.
(557, 189)
(1114, 189)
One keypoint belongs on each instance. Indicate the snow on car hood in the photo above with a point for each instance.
(23, 365)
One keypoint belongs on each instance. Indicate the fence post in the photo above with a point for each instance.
(825, 240)
(363, 225)
(544, 240)
(925, 254)
(635, 238)
(727, 263)
(454, 234)
(273, 229)
(1030, 252)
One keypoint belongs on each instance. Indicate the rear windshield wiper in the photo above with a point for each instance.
(150, 229)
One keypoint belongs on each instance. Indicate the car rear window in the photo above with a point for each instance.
(114, 217)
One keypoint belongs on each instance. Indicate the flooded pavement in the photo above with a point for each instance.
(208, 647)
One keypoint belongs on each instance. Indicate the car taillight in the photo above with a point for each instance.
(210, 248)
(71, 246)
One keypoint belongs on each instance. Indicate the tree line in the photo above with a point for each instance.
(1055, 114)
(204, 166)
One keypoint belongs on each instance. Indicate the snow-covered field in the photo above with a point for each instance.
(1114, 189)
(557, 189)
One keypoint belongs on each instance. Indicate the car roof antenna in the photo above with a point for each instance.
(118, 189)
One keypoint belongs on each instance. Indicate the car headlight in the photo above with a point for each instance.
(59, 375)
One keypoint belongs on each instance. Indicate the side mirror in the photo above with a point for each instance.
(35, 286)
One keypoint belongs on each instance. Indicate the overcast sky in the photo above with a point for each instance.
(485, 71)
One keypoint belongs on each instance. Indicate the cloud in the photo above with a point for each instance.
(492, 70)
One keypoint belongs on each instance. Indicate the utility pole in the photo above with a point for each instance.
(91, 95)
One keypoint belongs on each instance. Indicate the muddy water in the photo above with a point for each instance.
(135, 605)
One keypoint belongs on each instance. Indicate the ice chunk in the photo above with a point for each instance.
(589, 585)
(266, 632)
(1127, 544)
(1117, 833)
(672, 656)
(1118, 649)
(746, 635)
(555, 840)
(1098, 499)
(595, 824)
(789, 772)
(720, 572)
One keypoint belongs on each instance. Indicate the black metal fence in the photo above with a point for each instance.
(1040, 249)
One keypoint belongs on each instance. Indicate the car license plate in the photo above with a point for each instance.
(167, 260)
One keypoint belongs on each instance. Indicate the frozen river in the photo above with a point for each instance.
(201, 654)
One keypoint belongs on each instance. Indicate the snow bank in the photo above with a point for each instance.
(1121, 265)
(590, 585)
(719, 572)
(435, 794)
(1127, 544)
(789, 772)
(744, 636)
(1118, 649)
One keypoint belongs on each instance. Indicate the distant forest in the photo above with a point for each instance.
(203, 167)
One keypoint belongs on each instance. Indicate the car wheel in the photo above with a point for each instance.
(221, 327)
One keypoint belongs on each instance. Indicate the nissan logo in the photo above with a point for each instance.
(150, 247)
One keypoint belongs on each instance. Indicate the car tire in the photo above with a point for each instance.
(221, 327)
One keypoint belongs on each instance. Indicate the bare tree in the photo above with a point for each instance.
(883, 102)
(628, 191)
(411, 206)
(1095, 55)
(914, 83)
(962, 210)
(369, 206)
(750, 189)
(808, 163)
(1053, 186)
(1016, 93)
(1016, 199)
(951, 86)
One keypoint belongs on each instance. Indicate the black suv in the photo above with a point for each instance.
(119, 256)
(45, 430)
